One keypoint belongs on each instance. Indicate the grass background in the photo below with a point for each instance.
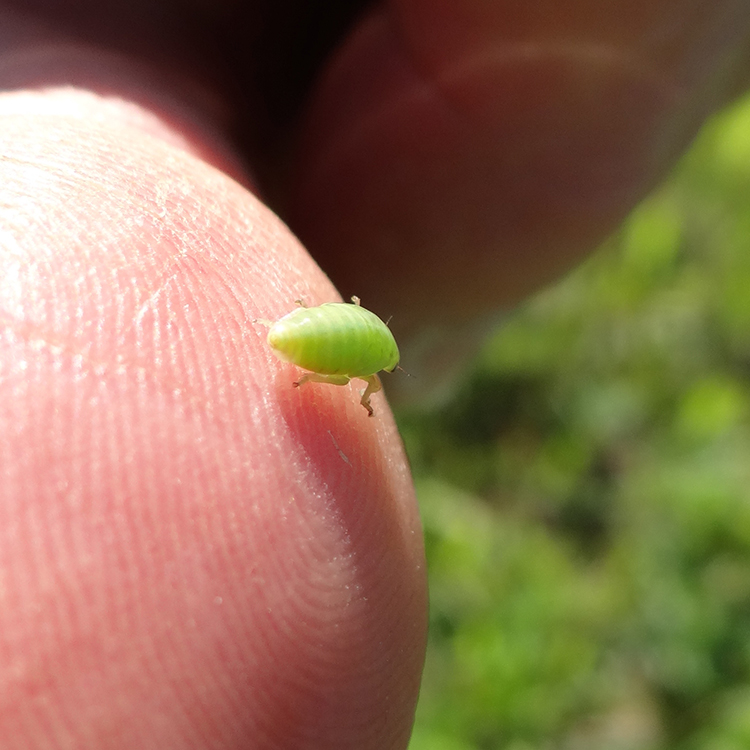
(586, 493)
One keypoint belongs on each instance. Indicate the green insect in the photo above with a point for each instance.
(336, 342)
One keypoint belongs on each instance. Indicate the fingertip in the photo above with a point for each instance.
(252, 559)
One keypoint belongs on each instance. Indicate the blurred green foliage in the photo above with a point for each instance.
(586, 493)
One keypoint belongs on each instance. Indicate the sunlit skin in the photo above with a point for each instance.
(192, 558)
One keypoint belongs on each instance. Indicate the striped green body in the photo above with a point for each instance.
(335, 339)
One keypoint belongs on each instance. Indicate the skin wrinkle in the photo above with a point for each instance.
(602, 58)
(446, 83)
(447, 75)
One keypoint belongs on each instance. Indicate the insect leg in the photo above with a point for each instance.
(314, 377)
(373, 386)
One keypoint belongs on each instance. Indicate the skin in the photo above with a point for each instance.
(193, 555)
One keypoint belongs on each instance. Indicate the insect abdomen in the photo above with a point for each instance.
(335, 339)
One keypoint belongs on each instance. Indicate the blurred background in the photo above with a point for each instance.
(585, 492)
